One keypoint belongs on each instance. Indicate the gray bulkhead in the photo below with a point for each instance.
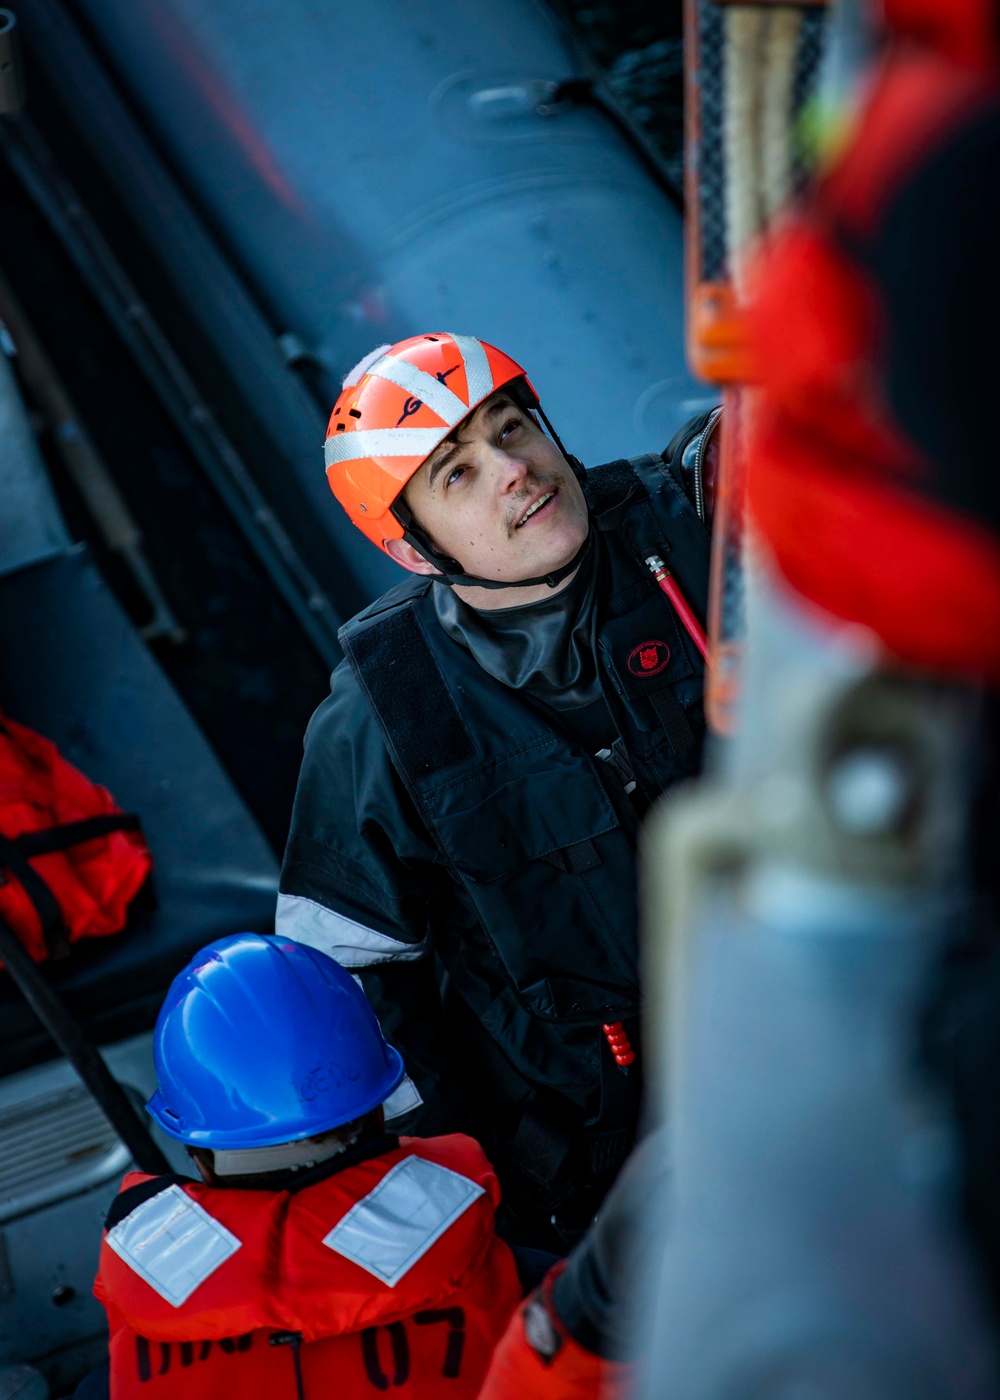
(377, 171)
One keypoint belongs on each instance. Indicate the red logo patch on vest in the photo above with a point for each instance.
(648, 658)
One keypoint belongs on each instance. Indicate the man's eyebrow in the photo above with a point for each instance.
(441, 462)
(494, 411)
(500, 406)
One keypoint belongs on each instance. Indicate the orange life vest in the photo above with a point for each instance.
(385, 1275)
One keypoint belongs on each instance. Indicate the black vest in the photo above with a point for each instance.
(538, 832)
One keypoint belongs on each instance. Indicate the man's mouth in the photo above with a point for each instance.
(538, 504)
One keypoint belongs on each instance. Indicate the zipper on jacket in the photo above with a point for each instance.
(699, 463)
(293, 1340)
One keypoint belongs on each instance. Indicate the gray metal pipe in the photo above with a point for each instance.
(213, 448)
(87, 470)
(13, 92)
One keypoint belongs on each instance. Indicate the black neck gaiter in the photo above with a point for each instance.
(545, 648)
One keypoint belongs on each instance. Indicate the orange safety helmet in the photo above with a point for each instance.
(396, 407)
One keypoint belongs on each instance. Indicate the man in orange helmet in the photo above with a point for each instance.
(464, 830)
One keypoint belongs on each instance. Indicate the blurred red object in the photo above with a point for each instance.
(537, 1359)
(965, 31)
(91, 878)
(872, 469)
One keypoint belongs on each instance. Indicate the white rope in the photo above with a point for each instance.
(740, 123)
(760, 48)
(781, 44)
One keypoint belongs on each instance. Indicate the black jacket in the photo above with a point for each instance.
(440, 812)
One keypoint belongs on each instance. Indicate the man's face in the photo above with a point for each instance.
(502, 499)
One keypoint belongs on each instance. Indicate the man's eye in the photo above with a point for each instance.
(453, 476)
(509, 427)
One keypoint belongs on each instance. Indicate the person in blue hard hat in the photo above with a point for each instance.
(314, 1248)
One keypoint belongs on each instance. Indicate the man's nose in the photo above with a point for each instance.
(511, 471)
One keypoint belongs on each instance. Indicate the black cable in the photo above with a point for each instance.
(82, 1055)
(106, 279)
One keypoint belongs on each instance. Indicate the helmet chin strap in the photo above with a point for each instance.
(450, 571)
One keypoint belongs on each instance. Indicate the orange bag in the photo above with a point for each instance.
(70, 860)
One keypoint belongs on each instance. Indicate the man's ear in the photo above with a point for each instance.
(404, 553)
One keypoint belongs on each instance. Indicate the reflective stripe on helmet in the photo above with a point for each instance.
(403, 1099)
(382, 442)
(478, 375)
(422, 386)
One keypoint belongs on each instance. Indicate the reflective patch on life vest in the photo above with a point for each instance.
(173, 1243)
(397, 1222)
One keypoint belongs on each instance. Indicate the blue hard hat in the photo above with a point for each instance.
(263, 1041)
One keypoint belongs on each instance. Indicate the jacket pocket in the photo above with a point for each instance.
(551, 874)
(547, 803)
